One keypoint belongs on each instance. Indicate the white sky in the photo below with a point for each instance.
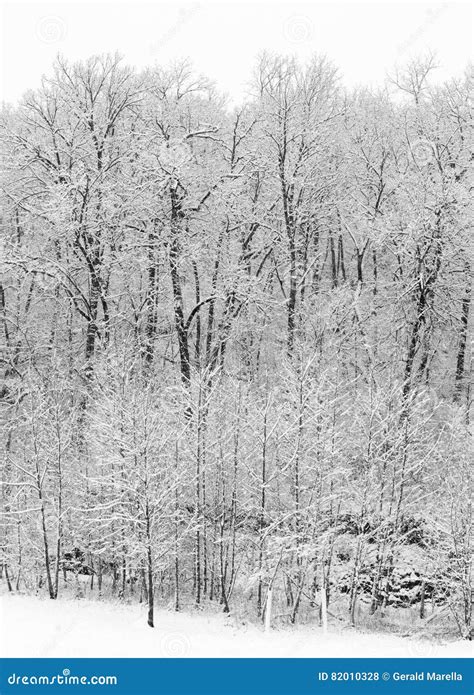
(365, 40)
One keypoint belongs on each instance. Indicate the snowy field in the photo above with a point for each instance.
(34, 627)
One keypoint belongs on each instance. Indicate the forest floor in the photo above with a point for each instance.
(38, 627)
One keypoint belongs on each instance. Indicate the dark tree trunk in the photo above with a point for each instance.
(180, 324)
(461, 355)
(151, 300)
(151, 598)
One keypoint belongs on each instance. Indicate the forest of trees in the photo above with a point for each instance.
(237, 342)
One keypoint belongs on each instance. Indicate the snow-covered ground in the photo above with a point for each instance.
(35, 627)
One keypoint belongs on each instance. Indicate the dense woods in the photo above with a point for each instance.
(238, 341)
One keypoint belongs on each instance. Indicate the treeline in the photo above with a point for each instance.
(238, 341)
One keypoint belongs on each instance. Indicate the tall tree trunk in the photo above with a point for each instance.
(151, 299)
(461, 355)
(263, 482)
(151, 597)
